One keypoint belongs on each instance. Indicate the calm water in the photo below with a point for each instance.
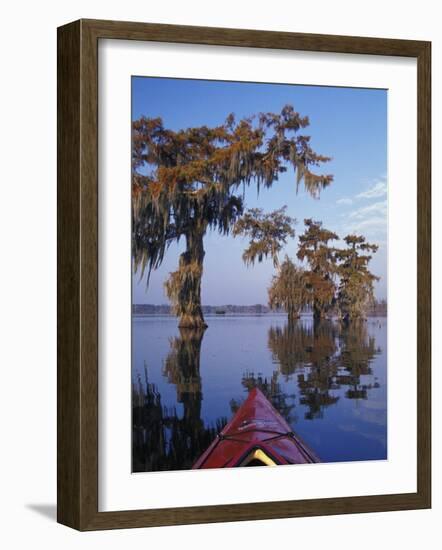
(329, 382)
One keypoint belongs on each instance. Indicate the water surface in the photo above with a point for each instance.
(329, 383)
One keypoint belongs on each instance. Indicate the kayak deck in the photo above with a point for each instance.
(257, 435)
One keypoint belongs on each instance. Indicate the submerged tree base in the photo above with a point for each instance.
(318, 317)
(292, 318)
(192, 321)
(347, 319)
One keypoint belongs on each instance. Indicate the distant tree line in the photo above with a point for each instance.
(166, 309)
(377, 309)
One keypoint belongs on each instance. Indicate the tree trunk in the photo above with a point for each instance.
(293, 316)
(184, 285)
(346, 319)
(191, 314)
(318, 313)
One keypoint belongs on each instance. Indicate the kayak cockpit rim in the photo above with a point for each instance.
(257, 457)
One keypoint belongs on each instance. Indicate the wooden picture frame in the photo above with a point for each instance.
(78, 274)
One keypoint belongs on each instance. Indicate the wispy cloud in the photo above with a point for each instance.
(374, 224)
(367, 212)
(369, 219)
(376, 190)
(344, 201)
(376, 209)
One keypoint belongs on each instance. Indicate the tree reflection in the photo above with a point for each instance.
(315, 365)
(162, 439)
(317, 382)
(297, 344)
(358, 350)
(325, 356)
(149, 441)
(271, 388)
(182, 368)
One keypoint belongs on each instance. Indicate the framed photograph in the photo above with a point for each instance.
(243, 275)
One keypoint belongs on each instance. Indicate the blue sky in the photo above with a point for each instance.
(347, 124)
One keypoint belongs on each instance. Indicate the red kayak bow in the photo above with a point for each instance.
(257, 435)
